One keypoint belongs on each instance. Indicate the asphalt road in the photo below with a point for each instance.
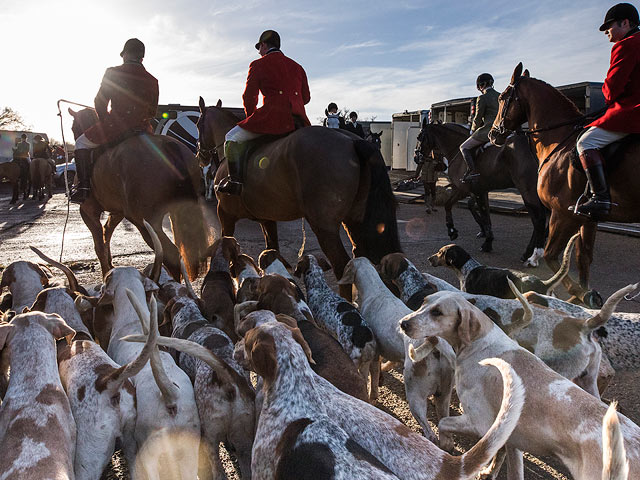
(616, 264)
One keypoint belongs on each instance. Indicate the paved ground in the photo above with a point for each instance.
(616, 264)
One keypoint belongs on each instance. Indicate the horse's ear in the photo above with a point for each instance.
(219, 104)
(71, 112)
(516, 73)
(201, 105)
(526, 73)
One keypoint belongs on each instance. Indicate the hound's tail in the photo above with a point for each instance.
(555, 280)
(470, 464)
(609, 307)
(615, 465)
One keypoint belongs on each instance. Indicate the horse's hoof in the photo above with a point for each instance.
(453, 234)
(480, 234)
(592, 299)
(486, 247)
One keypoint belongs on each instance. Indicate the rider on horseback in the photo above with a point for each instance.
(485, 114)
(21, 157)
(41, 149)
(621, 91)
(133, 93)
(284, 87)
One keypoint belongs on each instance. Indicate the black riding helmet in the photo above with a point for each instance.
(484, 80)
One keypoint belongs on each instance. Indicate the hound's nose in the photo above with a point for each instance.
(433, 260)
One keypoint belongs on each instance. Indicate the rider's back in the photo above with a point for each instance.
(283, 83)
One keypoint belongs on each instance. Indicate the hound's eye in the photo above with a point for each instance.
(435, 312)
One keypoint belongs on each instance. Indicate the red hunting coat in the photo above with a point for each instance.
(621, 88)
(133, 93)
(283, 84)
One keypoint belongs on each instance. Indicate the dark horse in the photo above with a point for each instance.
(11, 171)
(506, 167)
(143, 178)
(552, 118)
(325, 176)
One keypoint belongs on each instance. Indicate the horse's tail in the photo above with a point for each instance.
(187, 218)
(377, 234)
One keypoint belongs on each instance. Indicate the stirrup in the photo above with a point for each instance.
(469, 177)
(79, 195)
(229, 186)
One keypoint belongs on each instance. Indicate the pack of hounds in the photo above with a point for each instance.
(268, 360)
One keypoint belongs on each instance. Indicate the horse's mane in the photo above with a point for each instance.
(561, 98)
(227, 113)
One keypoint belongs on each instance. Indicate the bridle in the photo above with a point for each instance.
(505, 108)
(206, 156)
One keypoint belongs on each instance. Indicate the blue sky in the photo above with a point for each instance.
(376, 57)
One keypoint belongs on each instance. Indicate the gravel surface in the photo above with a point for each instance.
(616, 264)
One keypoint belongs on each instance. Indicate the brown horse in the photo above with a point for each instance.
(499, 168)
(11, 171)
(552, 118)
(144, 177)
(41, 177)
(322, 175)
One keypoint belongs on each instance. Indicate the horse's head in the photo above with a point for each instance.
(426, 142)
(207, 151)
(511, 113)
(375, 139)
(82, 120)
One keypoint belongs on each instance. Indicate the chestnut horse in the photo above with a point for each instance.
(506, 167)
(552, 118)
(328, 177)
(144, 177)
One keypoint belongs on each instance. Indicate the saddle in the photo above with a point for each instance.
(609, 153)
(99, 150)
(251, 146)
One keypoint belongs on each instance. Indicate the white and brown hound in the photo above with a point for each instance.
(571, 426)
(37, 429)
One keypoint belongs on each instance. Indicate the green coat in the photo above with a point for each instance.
(486, 113)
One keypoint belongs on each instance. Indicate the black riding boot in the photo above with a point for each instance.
(600, 202)
(83, 169)
(470, 175)
(231, 184)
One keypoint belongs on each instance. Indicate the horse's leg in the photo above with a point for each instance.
(561, 228)
(485, 216)
(332, 247)
(170, 253)
(535, 249)
(584, 257)
(455, 196)
(227, 221)
(472, 205)
(16, 192)
(110, 225)
(90, 212)
(270, 232)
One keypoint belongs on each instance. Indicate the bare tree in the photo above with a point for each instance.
(11, 120)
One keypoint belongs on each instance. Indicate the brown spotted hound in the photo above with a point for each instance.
(480, 279)
(279, 295)
(272, 261)
(24, 280)
(217, 291)
(310, 429)
(37, 429)
(570, 428)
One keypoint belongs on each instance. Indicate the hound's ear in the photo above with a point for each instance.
(5, 330)
(201, 105)
(468, 324)
(260, 349)
(516, 73)
(297, 336)
(57, 326)
(106, 297)
(219, 103)
(149, 285)
(349, 274)
(526, 73)
(84, 303)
